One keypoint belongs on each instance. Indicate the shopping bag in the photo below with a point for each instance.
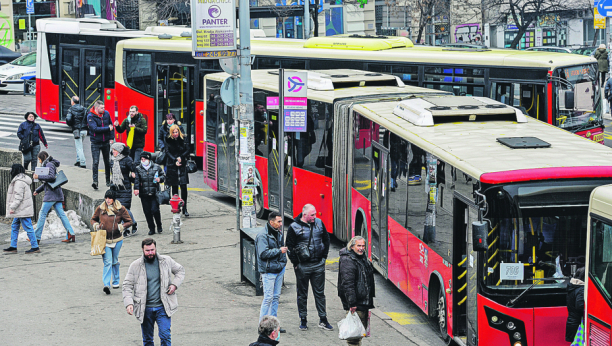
(579, 338)
(98, 242)
(130, 139)
(351, 327)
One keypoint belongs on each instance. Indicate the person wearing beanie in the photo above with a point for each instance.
(30, 132)
(136, 125)
(148, 175)
(112, 217)
(122, 167)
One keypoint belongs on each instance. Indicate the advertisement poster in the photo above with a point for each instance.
(213, 28)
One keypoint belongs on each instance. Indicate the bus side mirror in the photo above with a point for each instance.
(566, 100)
(480, 232)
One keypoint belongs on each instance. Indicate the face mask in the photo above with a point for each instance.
(146, 162)
(277, 336)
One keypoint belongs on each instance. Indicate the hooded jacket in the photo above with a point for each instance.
(19, 197)
(356, 285)
(140, 130)
(135, 285)
(299, 233)
(51, 195)
(99, 131)
(76, 117)
(575, 308)
(270, 258)
(601, 54)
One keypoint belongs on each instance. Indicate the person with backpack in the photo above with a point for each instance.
(30, 134)
(76, 118)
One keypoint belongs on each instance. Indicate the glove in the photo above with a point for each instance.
(120, 226)
(96, 226)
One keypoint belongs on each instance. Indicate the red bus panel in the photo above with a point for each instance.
(320, 197)
(199, 135)
(145, 105)
(598, 317)
(261, 165)
(210, 166)
(47, 104)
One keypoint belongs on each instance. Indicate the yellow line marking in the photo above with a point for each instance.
(607, 136)
(93, 82)
(67, 75)
(332, 261)
(404, 319)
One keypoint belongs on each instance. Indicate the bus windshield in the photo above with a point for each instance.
(587, 111)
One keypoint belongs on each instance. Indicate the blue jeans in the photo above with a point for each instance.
(151, 316)
(272, 284)
(42, 217)
(78, 144)
(26, 222)
(111, 259)
(31, 156)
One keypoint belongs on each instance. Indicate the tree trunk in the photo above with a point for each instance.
(518, 37)
(595, 37)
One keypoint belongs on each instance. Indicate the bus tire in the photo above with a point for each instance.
(259, 205)
(439, 310)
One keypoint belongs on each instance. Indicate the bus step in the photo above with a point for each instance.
(460, 340)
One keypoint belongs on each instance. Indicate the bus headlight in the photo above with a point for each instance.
(517, 336)
(494, 319)
(518, 343)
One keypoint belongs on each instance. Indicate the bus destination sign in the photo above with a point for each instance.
(213, 29)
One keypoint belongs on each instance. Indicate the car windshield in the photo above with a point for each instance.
(26, 60)
(586, 111)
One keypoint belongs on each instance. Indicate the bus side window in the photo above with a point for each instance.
(601, 255)
(262, 121)
(398, 196)
(417, 193)
(313, 149)
(213, 105)
(362, 152)
(444, 211)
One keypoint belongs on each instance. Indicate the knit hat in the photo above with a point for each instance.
(118, 146)
(110, 194)
(146, 155)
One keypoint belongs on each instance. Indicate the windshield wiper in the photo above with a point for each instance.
(535, 282)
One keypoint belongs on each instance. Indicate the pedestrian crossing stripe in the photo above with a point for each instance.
(332, 261)
(404, 319)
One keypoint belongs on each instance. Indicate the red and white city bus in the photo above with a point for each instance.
(598, 290)
(468, 206)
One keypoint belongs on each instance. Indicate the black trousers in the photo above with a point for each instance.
(183, 194)
(313, 273)
(96, 148)
(150, 207)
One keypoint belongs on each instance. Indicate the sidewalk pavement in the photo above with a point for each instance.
(55, 297)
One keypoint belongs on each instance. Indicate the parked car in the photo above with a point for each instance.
(552, 49)
(7, 55)
(13, 74)
(588, 51)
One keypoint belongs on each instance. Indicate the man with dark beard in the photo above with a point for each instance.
(149, 276)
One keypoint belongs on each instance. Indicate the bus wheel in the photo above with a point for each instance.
(259, 205)
(440, 315)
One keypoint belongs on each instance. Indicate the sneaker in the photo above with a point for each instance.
(159, 230)
(281, 330)
(134, 230)
(78, 164)
(33, 250)
(116, 286)
(323, 324)
(10, 250)
(414, 180)
(94, 185)
(106, 289)
(151, 232)
(126, 233)
(303, 325)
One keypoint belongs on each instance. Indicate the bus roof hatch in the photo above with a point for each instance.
(358, 42)
(329, 80)
(429, 111)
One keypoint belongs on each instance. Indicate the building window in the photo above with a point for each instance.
(589, 33)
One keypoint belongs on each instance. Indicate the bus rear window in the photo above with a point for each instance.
(138, 75)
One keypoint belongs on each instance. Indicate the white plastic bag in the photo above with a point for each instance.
(351, 327)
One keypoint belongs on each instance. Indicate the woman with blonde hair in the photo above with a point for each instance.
(109, 216)
(177, 154)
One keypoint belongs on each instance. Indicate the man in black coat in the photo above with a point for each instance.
(269, 332)
(102, 136)
(76, 118)
(356, 287)
(575, 304)
(308, 232)
(148, 175)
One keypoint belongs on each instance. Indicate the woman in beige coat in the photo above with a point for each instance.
(20, 207)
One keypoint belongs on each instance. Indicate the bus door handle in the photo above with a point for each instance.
(100, 85)
(294, 181)
(63, 84)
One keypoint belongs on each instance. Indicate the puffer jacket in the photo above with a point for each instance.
(106, 219)
(356, 285)
(76, 117)
(176, 175)
(19, 197)
(140, 130)
(163, 133)
(575, 308)
(601, 54)
(299, 233)
(99, 131)
(145, 180)
(270, 258)
(124, 193)
(135, 285)
(51, 195)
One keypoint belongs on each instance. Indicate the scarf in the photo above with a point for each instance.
(117, 176)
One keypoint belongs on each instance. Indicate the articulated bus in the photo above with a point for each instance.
(468, 206)
(598, 290)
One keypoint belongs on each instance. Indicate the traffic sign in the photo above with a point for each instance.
(604, 7)
(29, 6)
(599, 21)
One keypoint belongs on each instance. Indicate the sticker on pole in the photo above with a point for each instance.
(213, 28)
(512, 271)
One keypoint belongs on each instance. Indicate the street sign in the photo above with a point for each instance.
(29, 7)
(604, 7)
(295, 101)
(213, 29)
(599, 21)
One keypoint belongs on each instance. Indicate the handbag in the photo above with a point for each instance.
(60, 179)
(163, 196)
(191, 166)
(98, 242)
(160, 158)
(303, 251)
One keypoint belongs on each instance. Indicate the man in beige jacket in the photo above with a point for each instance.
(149, 292)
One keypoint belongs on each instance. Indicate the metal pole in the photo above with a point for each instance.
(246, 96)
(236, 114)
(281, 143)
(306, 19)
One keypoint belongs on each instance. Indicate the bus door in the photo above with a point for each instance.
(528, 97)
(82, 75)
(226, 141)
(274, 143)
(379, 197)
(176, 94)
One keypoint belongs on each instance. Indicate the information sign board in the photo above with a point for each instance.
(29, 7)
(295, 101)
(213, 29)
